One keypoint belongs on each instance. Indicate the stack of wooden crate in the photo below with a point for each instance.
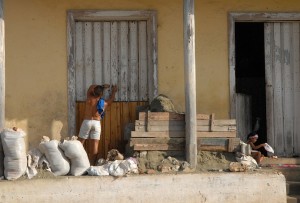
(164, 131)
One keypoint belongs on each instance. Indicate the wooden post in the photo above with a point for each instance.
(2, 69)
(190, 82)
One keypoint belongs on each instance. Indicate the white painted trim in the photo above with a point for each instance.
(104, 15)
(2, 68)
(248, 17)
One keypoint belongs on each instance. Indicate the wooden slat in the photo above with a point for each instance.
(143, 69)
(114, 56)
(221, 122)
(158, 134)
(165, 140)
(278, 111)
(209, 144)
(243, 115)
(113, 125)
(216, 134)
(98, 36)
(125, 118)
(159, 128)
(168, 116)
(288, 89)
(203, 141)
(124, 69)
(79, 67)
(269, 37)
(133, 60)
(88, 55)
(119, 129)
(107, 131)
(231, 122)
(212, 141)
(142, 147)
(218, 144)
(106, 53)
(296, 75)
(181, 134)
(162, 147)
(212, 148)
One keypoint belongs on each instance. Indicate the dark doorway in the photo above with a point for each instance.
(250, 71)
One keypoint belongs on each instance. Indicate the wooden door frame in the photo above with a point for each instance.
(2, 68)
(109, 15)
(248, 17)
(253, 17)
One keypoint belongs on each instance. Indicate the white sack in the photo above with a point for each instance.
(59, 164)
(123, 167)
(74, 150)
(249, 161)
(33, 158)
(98, 170)
(15, 161)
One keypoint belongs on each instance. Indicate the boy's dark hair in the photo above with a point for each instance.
(98, 91)
(251, 134)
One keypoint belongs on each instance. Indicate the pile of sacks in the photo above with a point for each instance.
(66, 157)
(69, 157)
(114, 165)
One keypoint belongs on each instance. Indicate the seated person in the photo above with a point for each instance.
(257, 155)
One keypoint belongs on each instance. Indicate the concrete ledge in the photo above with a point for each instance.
(195, 187)
(281, 161)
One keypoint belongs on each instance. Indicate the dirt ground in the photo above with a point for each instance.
(154, 161)
(159, 162)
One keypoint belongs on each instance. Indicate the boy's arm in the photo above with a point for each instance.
(256, 147)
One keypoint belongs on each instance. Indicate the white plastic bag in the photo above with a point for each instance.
(33, 158)
(59, 164)
(74, 150)
(15, 161)
(123, 167)
(98, 170)
(269, 148)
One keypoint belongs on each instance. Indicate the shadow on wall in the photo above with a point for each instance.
(45, 115)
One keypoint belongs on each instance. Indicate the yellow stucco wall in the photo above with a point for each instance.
(36, 56)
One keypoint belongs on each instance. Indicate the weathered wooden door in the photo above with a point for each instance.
(243, 115)
(283, 86)
(113, 52)
(112, 126)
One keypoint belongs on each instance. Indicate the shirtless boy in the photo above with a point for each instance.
(91, 126)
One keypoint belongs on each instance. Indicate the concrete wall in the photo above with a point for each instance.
(36, 56)
(198, 188)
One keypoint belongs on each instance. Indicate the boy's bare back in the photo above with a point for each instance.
(91, 112)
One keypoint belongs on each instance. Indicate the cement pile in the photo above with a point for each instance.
(162, 104)
(158, 161)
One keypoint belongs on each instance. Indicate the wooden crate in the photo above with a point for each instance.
(165, 131)
(178, 144)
